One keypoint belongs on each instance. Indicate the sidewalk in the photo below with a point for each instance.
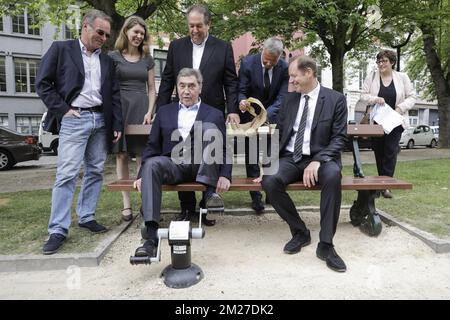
(242, 258)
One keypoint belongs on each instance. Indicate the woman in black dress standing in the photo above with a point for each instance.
(389, 88)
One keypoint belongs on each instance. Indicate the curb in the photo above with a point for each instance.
(435, 243)
(20, 263)
(40, 262)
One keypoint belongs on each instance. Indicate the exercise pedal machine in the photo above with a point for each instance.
(182, 273)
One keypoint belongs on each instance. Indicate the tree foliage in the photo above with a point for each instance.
(62, 11)
(341, 26)
(430, 52)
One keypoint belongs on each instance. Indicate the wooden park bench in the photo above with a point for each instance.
(362, 213)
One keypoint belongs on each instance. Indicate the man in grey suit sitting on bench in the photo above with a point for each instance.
(187, 143)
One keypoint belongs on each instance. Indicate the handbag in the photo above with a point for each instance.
(366, 117)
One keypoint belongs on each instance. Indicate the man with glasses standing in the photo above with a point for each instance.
(77, 83)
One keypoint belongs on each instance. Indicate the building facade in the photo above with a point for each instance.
(21, 48)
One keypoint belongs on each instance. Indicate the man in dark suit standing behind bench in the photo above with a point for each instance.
(77, 83)
(263, 76)
(312, 126)
(214, 58)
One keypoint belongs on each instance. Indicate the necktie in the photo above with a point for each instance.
(266, 83)
(298, 145)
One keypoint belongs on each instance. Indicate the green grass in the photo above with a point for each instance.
(25, 215)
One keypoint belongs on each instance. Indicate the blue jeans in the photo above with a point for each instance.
(81, 141)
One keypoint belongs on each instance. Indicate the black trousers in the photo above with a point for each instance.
(386, 149)
(252, 163)
(161, 170)
(330, 195)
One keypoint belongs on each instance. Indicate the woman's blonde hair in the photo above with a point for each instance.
(122, 40)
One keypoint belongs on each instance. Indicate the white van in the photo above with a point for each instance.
(47, 140)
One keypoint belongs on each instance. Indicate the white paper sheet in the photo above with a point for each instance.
(387, 117)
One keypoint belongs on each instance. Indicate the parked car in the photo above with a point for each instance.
(435, 130)
(47, 140)
(17, 147)
(418, 136)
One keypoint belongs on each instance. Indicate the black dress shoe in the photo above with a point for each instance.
(299, 240)
(188, 215)
(148, 249)
(258, 206)
(214, 203)
(386, 194)
(208, 222)
(93, 226)
(185, 215)
(54, 243)
(327, 253)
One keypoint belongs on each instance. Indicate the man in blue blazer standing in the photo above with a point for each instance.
(263, 76)
(179, 150)
(77, 83)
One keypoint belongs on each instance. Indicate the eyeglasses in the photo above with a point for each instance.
(102, 33)
(382, 61)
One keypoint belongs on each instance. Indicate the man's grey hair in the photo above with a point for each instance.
(273, 46)
(189, 72)
(93, 14)
(202, 9)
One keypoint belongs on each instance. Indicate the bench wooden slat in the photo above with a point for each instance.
(246, 184)
(365, 130)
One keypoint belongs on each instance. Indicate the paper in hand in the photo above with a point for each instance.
(387, 117)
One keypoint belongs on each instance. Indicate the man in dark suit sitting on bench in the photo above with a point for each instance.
(312, 123)
(172, 156)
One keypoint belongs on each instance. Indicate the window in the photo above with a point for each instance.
(25, 71)
(33, 24)
(28, 124)
(26, 23)
(1, 23)
(319, 73)
(69, 33)
(160, 57)
(18, 23)
(2, 75)
(4, 121)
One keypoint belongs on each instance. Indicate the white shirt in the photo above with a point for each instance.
(90, 93)
(312, 102)
(186, 118)
(197, 53)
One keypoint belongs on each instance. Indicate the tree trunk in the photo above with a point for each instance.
(337, 69)
(440, 83)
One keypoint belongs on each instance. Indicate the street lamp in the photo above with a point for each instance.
(398, 42)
